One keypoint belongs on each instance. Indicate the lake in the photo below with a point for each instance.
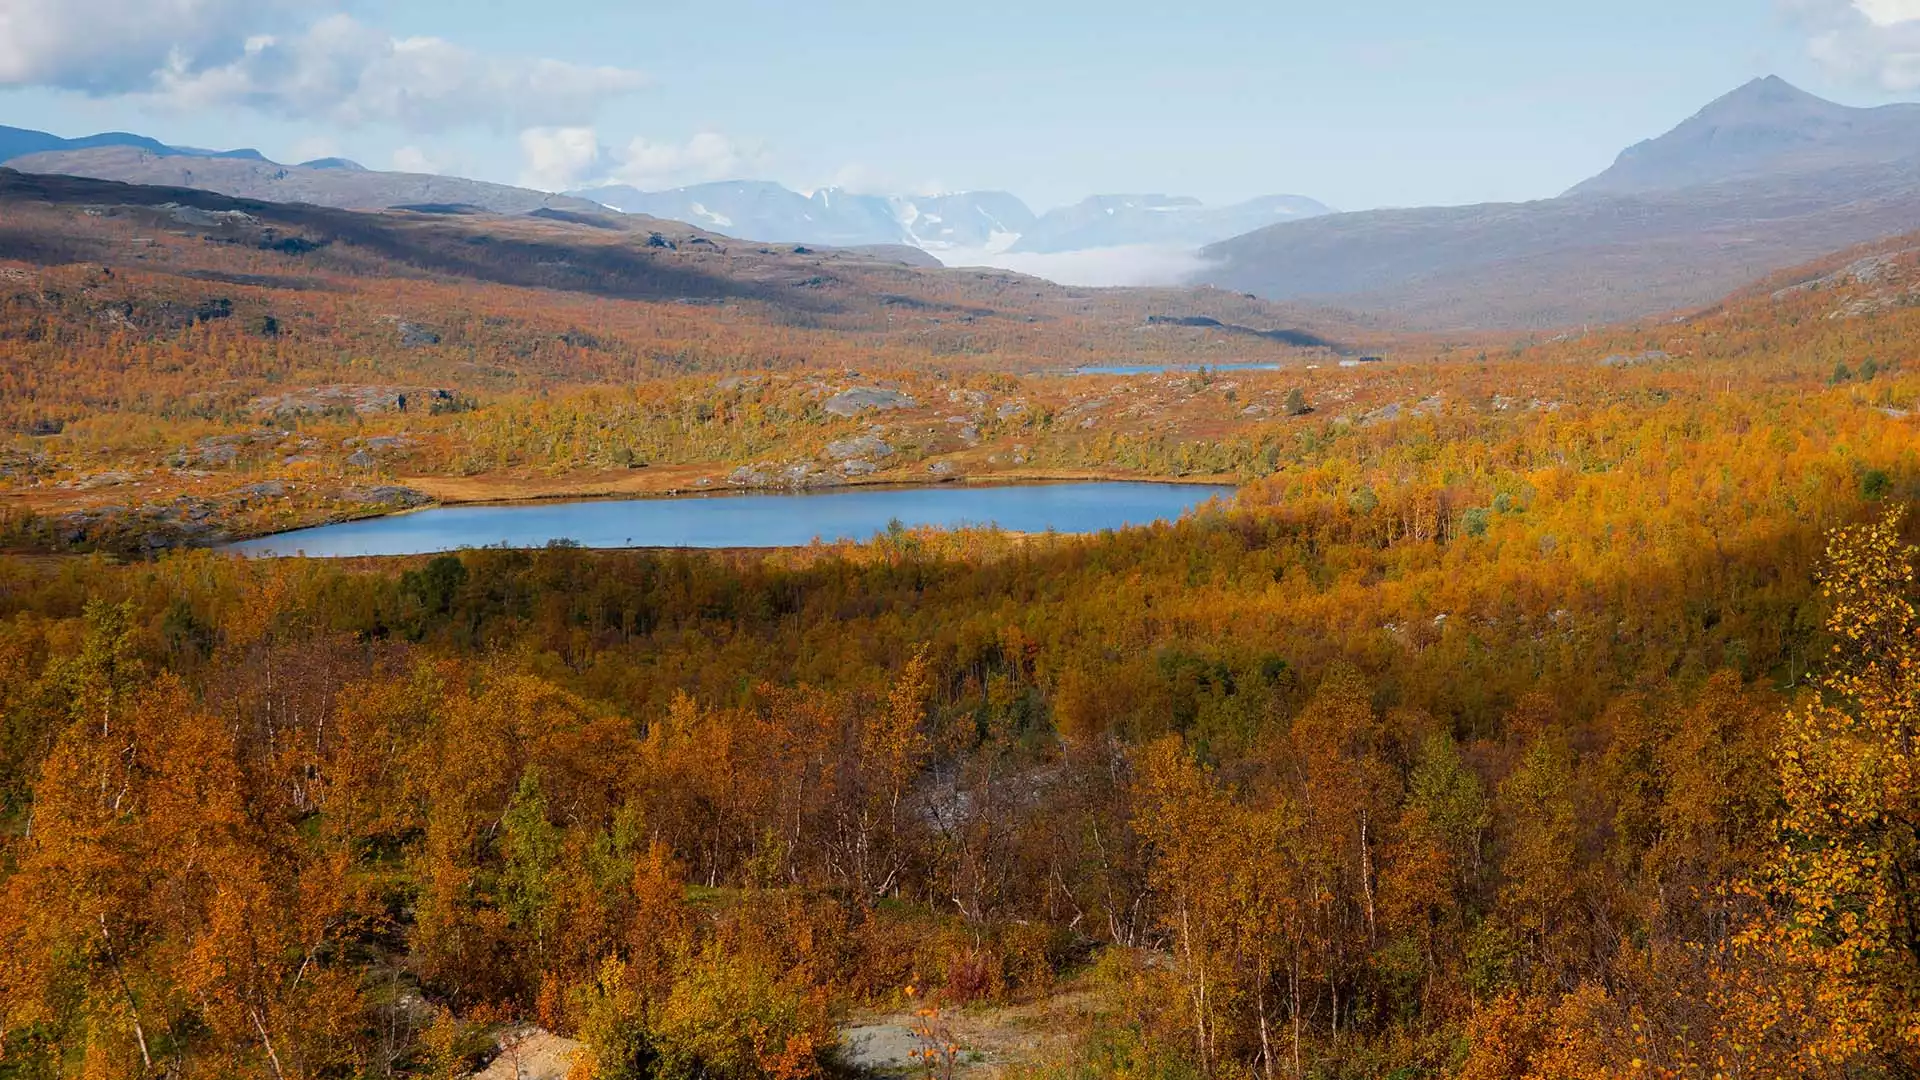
(723, 520)
(1162, 369)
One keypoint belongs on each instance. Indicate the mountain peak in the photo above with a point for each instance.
(1768, 127)
(1771, 98)
(1770, 88)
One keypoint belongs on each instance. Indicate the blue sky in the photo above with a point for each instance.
(1357, 104)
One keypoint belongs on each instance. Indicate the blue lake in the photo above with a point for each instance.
(1162, 369)
(725, 520)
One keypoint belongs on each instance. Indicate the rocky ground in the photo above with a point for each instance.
(990, 1041)
(531, 1053)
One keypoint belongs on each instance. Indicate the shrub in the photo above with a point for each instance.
(727, 1019)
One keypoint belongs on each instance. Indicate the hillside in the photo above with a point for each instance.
(324, 183)
(617, 256)
(1483, 736)
(1677, 223)
(218, 315)
(965, 222)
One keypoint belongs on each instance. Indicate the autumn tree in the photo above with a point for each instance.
(1845, 875)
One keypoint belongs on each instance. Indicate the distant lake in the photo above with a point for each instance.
(723, 520)
(1162, 369)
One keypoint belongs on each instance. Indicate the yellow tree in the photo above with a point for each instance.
(1346, 793)
(1846, 866)
(1231, 879)
(70, 916)
(1541, 865)
(1436, 860)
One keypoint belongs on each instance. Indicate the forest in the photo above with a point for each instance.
(1538, 709)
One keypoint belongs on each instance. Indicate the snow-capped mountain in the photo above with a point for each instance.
(968, 222)
(1106, 221)
(757, 210)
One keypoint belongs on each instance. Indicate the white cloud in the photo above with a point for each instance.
(300, 59)
(412, 159)
(116, 46)
(1889, 12)
(562, 158)
(707, 156)
(351, 74)
(557, 159)
(314, 147)
(1873, 41)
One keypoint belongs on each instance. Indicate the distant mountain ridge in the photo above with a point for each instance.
(333, 182)
(956, 226)
(1760, 179)
(1764, 178)
(765, 211)
(17, 143)
(965, 222)
(1766, 128)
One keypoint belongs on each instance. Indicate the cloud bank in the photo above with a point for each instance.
(290, 58)
(1889, 12)
(1872, 41)
(560, 159)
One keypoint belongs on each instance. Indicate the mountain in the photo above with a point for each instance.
(1767, 128)
(964, 226)
(969, 222)
(1107, 221)
(328, 182)
(759, 210)
(1763, 179)
(737, 208)
(20, 142)
(52, 220)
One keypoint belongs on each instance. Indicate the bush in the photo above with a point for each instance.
(613, 1025)
(727, 1019)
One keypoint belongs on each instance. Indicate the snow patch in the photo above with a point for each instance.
(704, 214)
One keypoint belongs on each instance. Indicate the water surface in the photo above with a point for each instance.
(725, 520)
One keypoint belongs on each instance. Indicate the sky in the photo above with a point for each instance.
(1359, 104)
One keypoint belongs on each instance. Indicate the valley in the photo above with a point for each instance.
(457, 631)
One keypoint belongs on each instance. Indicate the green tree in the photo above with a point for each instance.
(530, 845)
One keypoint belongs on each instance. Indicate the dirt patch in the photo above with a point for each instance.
(531, 1053)
(991, 1039)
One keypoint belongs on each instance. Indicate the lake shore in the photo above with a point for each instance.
(671, 481)
(236, 513)
(743, 519)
